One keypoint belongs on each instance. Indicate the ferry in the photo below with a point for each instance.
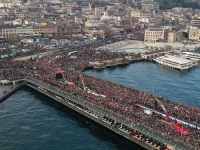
(195, 63)
(122, 62)
(99, 66)
(111, 63)
(192, 56)
(175, 62)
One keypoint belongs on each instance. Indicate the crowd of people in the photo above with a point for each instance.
(110, 96)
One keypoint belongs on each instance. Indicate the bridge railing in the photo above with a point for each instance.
(120, 118)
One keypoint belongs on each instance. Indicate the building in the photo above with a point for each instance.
(17, 22)
(99, 10)
(24, 30)
(8, 31)
(154, 54)
(172, 36)
(92, 21)
(156, 33)
(17, 1)
(141, 14)
(194, 34)
(37, 31)
(29, 5)
(49, 30)
(8, 4)
(20, 15)
(75, 9)
(150, 5)
(95, 33)
(106, 17)
(195, 23)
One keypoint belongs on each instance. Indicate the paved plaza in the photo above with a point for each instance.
(134, 46)
(7, 88)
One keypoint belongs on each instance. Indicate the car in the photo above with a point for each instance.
(4, 92)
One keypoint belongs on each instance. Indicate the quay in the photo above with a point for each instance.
(8, 90)
(119, 124)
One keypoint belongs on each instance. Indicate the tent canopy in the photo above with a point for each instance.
(60, 71)
(136, 104)
(71, 83)
(110, 103)
(184, 132)
(193, 108)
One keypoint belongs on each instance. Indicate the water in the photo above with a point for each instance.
(29, 120)
(180, 86)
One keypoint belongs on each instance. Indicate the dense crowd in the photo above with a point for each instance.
(111, 96)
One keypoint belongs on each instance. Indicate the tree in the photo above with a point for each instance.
(42, 35)
(185, 35)
(107, 32)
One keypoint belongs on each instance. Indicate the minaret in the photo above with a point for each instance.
(188, 28)
(90, 7)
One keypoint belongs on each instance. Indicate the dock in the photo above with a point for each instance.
(8, 90)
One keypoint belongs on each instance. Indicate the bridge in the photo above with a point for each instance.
(81, 106)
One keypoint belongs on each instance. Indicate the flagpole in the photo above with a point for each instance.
(182, 129)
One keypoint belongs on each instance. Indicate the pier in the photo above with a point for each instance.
(8, 90)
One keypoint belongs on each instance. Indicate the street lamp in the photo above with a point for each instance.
(197, 118)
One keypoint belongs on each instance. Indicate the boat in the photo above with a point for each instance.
(192, 56)
(123, 62)
(195, 62)
(111, 63)
(99, 66)
(174, 62)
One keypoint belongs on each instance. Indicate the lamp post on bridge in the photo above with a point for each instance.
(197, 118)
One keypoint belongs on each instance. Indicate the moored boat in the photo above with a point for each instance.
(123, 62)
(99, 66)
(175, 62)
(111, 63)
(192, 56)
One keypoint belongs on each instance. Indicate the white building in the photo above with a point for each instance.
(141, 14)
(194, 34)
(92, 21)
(149, 5)
(17, 1)
(7, 31)
(17, 22)
(9, 5)
(24, 30)
(106, 17)
(155, 33)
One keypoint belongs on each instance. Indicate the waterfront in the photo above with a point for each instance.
(180, 86)
(30, 121)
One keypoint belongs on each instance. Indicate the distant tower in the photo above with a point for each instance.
(90, 7)
(188, 28)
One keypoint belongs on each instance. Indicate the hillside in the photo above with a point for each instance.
(168, 4)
